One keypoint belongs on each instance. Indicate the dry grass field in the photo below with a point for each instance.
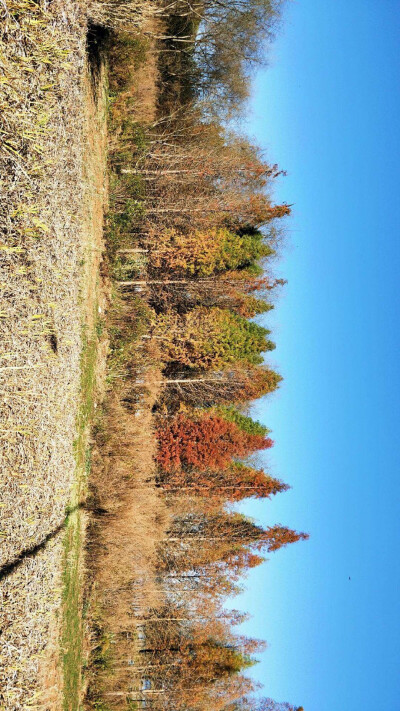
(128, 514)
(53, 190)
(126, 527)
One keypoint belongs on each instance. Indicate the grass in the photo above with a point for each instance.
(72, 622)
(93, 338)
(51, 218)
(123, 542)
(72, 635)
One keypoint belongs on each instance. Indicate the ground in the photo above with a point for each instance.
(53, 167)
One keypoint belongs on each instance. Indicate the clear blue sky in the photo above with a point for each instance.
(327, 110)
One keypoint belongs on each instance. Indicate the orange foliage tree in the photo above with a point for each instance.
(209, 442)
(202, 253)
(234, 483)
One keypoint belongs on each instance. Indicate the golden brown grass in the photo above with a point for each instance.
(41, 251)
(128, 521)
(134, 75)
(50, 246)
(122, 15)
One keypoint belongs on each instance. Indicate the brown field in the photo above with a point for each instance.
(53, 168)
(54, 297)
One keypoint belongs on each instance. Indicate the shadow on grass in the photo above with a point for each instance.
(34, 550)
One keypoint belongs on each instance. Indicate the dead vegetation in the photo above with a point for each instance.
(54, 294)
(128, 519)
(122, 15)
(51, 241)
(42, 203)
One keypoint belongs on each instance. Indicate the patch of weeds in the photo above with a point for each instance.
(88, 380)
(100, 326)
(101, 655)
(136, 133)
(134, 185)
(88, 460)
(100, 660)
(130, 130)
(121, 223)
(134, 211)
(99, 428)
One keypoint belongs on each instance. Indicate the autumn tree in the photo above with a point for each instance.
(231, 41)
(243, 291)
(279, 536)
(232, 527)
(202, 253)
(208, 582)
(210, 338)
(226, 538)
(207, 442)
(183, 295)
(192, 650)
(238, 383)
(235, 483)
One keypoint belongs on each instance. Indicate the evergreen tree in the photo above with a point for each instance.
(210, 339)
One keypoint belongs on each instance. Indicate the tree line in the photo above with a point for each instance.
(193, 233)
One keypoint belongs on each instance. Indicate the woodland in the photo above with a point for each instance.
(138, 259)
(193, 238)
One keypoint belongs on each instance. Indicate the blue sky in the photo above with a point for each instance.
(327, 110)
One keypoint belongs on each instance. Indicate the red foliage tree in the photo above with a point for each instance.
(207, 443)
